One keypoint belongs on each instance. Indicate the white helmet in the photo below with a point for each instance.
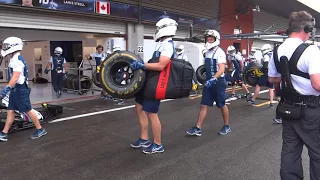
(214, 34)
(116, 48)
(180, 49)
(266, 48)
(165, 27)
(231, 50)
(58, 50)
(109, 52)
(11, 45)
(253, 50)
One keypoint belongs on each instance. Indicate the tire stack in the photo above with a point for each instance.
(72, 83)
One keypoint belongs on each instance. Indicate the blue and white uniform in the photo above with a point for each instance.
(57, 62)
(163, 48)
(98, 58)
(217, 92)
(236, 60)
(19, 98)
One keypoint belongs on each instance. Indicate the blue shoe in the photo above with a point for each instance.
(153, 148)
(226, 129)
(3, 136)
(38, 133)
(141, 143)
(195, 131)
(250, 101)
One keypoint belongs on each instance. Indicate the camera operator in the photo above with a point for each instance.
(297, 66)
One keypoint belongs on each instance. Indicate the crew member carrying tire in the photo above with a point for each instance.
(166, 29)
(236, 61)
(56, 64)
(263, 80)
(215, 86)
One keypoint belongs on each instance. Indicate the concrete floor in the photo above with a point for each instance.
(95, 146)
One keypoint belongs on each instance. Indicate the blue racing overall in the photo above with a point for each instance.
(19, 98)
(152, 106)
(57, 72)
(217, 92)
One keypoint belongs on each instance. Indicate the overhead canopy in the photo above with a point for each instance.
(284, 8)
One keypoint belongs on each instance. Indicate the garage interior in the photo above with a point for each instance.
(39, 45)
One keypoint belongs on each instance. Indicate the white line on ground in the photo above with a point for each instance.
(122, 108)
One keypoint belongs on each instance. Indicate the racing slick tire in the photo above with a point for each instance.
(118, 79)
(201, 74)
(95, 79)
(252, 73)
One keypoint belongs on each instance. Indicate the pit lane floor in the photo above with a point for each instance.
(97, 146)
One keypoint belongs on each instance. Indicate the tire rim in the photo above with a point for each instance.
(121, 74)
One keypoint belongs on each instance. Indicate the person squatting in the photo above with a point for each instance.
(19, 97)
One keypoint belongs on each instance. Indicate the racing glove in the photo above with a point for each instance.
(211, 82)
(135, 65)
(46, 71)
(4, 92)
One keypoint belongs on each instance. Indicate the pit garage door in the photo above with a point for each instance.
(42, 19)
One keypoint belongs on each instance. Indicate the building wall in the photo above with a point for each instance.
(245, 21)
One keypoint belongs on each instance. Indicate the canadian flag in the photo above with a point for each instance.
(102, 7)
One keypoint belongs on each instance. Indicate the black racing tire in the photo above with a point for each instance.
(68, 81)
(201, 74)
(95, 79)
(249, 74)
(115, 71)
(85, 83)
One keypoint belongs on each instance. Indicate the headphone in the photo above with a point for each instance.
(309, 28)
(99, 46)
